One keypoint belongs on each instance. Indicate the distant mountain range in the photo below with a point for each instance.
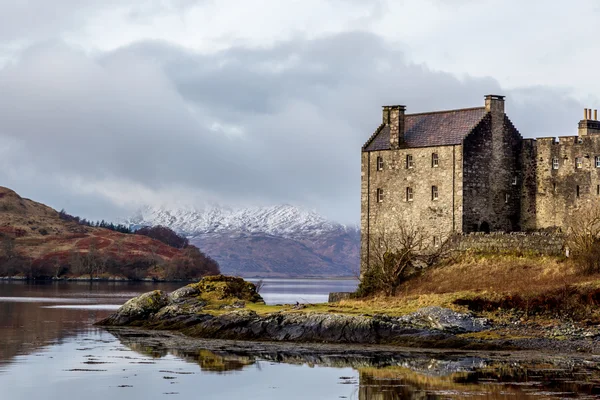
(276, 241)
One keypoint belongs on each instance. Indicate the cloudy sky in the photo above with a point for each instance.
(106, 105)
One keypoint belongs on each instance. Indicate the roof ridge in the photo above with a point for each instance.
(368, 142)
(446, 111)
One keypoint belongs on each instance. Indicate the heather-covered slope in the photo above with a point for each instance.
(36, 243)
(277, 241)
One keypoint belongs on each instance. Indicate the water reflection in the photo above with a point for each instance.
(403, 375)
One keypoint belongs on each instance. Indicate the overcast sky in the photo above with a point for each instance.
(107, 105)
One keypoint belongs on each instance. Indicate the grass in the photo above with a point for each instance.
(501, 287)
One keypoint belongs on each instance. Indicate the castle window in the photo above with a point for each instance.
(577, 191)
(435, 160)
(506, 198)
(597, 161)
(434, 193)
(598, 190)
(379, 163)
(579, 162)
(555, 163)
(514, 180)
(409, 194)
(436, 241)
(409, 161)
(380, 195)
(554, 187)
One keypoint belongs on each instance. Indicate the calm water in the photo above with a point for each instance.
(50, 350)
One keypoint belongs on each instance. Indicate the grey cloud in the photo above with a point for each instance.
(266, 125)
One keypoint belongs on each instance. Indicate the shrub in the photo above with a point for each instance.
(165, 235)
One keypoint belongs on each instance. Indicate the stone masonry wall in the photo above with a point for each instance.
(491, 165)
(556, 195)
(515, 242)
(438, 218)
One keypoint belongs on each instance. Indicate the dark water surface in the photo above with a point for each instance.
(50, 350)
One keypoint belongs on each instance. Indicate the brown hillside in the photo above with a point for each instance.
(37, 242)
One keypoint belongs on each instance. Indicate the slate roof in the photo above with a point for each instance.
(440, 128)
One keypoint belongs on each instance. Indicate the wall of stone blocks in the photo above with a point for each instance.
(491, 165)
(528, 185)
(510, 243)
(437, 218)
(556, 195)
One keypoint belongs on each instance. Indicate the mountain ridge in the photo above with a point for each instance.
(273, 241)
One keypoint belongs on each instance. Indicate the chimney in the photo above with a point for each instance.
(494, 103)
(393, 116)
(588, 125)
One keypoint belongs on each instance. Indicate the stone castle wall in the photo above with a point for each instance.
(437, 218)
(492, 176)
(559, 193)
(535, 243)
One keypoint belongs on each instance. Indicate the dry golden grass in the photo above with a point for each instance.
(548, 286)
(498, 273)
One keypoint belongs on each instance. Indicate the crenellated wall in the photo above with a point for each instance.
(561, 192)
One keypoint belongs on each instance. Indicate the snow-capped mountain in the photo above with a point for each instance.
(280, 240)
(281, 220)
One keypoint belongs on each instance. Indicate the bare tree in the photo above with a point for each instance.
(396, 252)
(259, 285)
(583, 238)
(8, 247)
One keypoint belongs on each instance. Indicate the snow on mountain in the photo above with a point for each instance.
(280, 220)
(276, 241)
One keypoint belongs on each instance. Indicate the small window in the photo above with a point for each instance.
(597, 161)
(409, 194)
(577, 191)
(434, 193)
(379, 195)
(435, 161)
(409, 161)
(598, 190)
(436, 241)
(554, 187)
(579, 162)
(555, 163)
(514, 180)
(506, 198)
(379, 163)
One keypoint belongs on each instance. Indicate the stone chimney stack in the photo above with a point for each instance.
(588, 125)
(494, 104)
(393, 116)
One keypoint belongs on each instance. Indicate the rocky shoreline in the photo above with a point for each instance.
(187, 312)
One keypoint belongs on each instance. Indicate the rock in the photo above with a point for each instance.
(138, 309)
(444, 319)
(184, 292)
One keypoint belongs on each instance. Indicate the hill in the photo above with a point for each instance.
(36, 243)
(276, 241)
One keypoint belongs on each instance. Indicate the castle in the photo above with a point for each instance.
(470, 170)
